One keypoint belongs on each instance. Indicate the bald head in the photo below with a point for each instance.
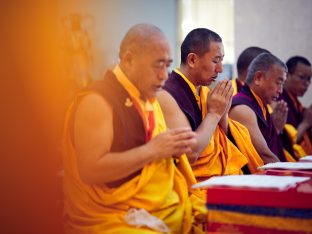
(145, 58)
(139, 37)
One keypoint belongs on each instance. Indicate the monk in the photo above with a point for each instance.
(265, 77)
(223, 146)
(299, 119)
(119, 170)
(243, 61)
(277, 109)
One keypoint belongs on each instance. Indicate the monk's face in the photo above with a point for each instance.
(272, 83)
(150, 67)
(299, 81)
(210, 64)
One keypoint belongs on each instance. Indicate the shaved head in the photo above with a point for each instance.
(145, 58)
(139, 37)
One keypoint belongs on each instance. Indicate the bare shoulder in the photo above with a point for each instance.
(173, 114)
(92, 108)
(165, 99)
(242, 113)
(93, 129)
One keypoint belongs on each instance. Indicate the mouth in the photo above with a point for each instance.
(158, 87)
(214, 78)
(275, 98)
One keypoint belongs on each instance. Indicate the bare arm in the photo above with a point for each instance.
(94, 136)
(175, 118)
(246, 116)
(217, 101)
(305, 124)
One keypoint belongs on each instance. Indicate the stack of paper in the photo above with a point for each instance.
(253, 181)
(288, 165)
(307, 158)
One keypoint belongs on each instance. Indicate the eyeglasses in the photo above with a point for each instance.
(303, 78)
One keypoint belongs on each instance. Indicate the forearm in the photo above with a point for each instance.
(266, 154)
(115, 166)
(224, 124)
(203, 135)
(301, 129)
(269, 157)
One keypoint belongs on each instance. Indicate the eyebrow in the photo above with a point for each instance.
(281, 78)
(165, 60)
(219, 56)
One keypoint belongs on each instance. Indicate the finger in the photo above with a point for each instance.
(185, 143)
(229, 93)
(179, 130)
(228, 89)
(224, 87)
(216, 89)
(184, 135)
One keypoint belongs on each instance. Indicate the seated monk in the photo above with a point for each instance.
(223, 146)
(299, 119)
(243, 61)
(265, 77)
(118, 156)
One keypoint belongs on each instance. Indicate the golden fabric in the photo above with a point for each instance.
(306, 143)
(160, 189)
(259, 101)
(290, 224)
(292, 133)
(197, 197)
(235, 86)
(243, 142)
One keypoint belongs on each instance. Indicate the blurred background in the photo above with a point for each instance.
(50, 49)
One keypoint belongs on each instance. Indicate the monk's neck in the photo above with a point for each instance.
(289, 91)
(258, 94)
(190, 76)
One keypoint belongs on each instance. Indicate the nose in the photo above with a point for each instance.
(280, 90)
(163, 74)
(219, 68)
(307, 82)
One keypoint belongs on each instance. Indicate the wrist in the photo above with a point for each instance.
(214, 116)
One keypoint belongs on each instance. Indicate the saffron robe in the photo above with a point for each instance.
(294, 118)
(221, 156)
(246, 97)
(158, 187)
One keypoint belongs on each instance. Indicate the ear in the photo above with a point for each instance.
(127, 59)
(192, 59)
(258, 77)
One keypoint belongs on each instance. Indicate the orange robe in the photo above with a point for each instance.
(160, 188)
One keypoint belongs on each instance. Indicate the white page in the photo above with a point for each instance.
(288, 165)
(306, 158)
(253, 181)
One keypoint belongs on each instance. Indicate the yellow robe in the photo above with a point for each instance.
(160, 189)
